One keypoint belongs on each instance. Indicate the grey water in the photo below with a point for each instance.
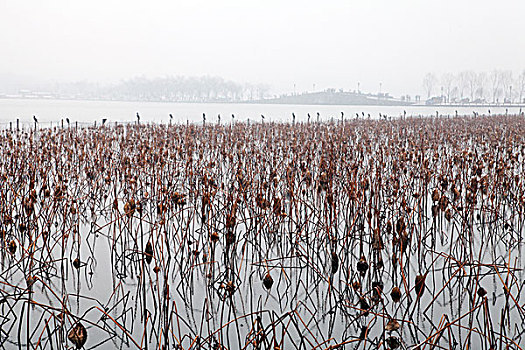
(53, 112)
(107, 292)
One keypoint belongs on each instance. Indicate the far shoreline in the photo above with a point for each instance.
(269, 102)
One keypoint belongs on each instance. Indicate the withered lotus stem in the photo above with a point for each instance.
(230, 237)
(356, 285)
(362, 334)
(363, 304)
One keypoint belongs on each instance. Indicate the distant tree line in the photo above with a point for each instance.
(496, 86)
(176, 89)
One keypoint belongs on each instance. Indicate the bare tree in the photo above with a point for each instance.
(454, 93)
(481, 80)
(462, 83)
(262, 91)
(471, 82)
(447, 80)
(506, 84)
(429, 81)
(520, 84)
(183, 89)
(495, 82)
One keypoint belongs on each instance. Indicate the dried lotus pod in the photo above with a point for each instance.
(362, 265)
(335, 262)
(268, 281)
(76, 263)
(12, 247)
(392, 325)
(482, 292)
(420, 285)
(148, 252)
(395, 294)
(78, 335)
(393, 342)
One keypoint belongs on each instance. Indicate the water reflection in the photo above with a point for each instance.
(367, 234)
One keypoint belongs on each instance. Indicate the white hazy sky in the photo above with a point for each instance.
(330, 43)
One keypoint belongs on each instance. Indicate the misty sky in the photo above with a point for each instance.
(329, 43)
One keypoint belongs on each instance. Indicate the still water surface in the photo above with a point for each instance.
(125, 303)
(53, 111)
